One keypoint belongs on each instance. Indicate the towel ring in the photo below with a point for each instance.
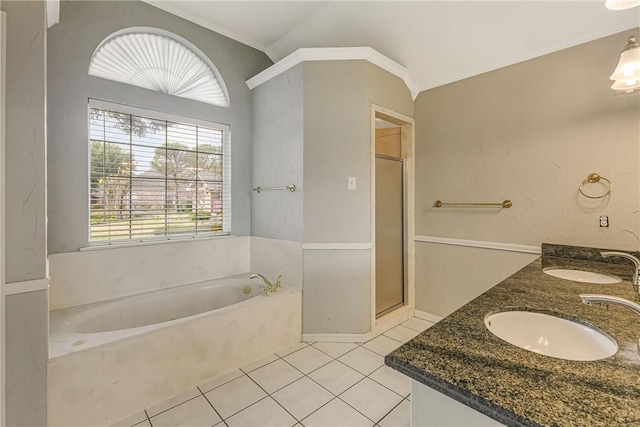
(592, 179)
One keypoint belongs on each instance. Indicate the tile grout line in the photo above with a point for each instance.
(246, 373)
(359, 381)
(272, 398)
(170, 408)
(336, 396)
(390, 411)
(214, 408)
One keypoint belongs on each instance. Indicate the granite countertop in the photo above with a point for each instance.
(460, 358)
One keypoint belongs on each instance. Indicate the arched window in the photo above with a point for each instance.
(155, 175)
(158, 60)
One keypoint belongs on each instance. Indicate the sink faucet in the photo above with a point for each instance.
(636, 276)
(269, 286)
(590, 299)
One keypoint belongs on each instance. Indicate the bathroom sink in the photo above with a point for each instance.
(582, 276)
(551, 335)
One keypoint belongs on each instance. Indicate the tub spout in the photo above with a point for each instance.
(268, 287)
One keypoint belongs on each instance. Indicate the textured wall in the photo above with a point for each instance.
(26, 315)
(70, 46)
(88, 276)
(338, 96)
(277, 149)
(25, 141)
(531, 132)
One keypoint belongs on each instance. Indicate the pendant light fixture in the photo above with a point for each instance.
(626, 76)
(621, 4)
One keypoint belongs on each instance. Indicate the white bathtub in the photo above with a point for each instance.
(111, 359)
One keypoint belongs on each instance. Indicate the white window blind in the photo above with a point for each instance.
(161, 61)
(153, 178)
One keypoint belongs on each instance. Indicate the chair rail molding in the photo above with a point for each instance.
(509, 247)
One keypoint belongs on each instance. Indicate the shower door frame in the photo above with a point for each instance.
(406, 311)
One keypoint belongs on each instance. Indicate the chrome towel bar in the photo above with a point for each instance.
(290, 187)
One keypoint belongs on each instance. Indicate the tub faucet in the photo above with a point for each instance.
(590, 299)
(636, 275)
(269, 286)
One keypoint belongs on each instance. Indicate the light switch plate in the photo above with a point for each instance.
(351, 183)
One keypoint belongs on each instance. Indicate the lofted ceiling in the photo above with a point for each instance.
(437, 41)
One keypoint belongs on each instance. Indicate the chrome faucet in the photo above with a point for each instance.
(590, 299)
(636, 276)
(269, 286)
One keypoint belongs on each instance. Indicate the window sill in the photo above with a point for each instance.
(121, 245)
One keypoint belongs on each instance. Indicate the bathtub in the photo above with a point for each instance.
(111, 359)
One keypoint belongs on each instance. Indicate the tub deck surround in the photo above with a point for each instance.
(109, 376)
(462, 359)
(79, 328)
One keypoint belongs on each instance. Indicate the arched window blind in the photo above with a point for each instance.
(160, 61)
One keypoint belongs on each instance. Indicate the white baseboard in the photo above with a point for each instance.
(427, 316)
(337, 337)
(392, 320)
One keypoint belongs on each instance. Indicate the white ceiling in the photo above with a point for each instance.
(437, 41)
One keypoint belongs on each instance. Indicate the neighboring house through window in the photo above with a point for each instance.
(154, 175)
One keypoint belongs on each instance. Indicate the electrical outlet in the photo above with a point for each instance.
(604, 221)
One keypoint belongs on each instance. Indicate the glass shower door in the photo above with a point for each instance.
(389, 240)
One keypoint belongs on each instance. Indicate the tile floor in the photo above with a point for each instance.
(319, 384)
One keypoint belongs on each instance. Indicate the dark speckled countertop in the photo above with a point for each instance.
(460, 358)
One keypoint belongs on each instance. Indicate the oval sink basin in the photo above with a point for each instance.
(551, 336)
(582, 276)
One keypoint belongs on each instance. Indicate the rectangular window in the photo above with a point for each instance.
(153, 179)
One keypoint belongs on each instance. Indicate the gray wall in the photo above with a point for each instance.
(531, 132)
(338, 96)
(277, 125)
(312, 127)
(26, 254)
(26, 314)
(70, 46)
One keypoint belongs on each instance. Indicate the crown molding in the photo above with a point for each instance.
(335, 54)
(53, 13)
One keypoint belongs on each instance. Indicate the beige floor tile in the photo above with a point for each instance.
(174, 401)
(308, 359)
(362, 360)
(399, 417)
(275, 375)
(145, 423)
(265, 413)
(371, 399)
(293, 348)
(259, 363)
(337, 414)
(234, 396)
(335, 349)
(193, 413)
(382, 345)
(393, 380)
(302, 397)
(223, 379)
(419, 325)
(336, 377)
(401, 333)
